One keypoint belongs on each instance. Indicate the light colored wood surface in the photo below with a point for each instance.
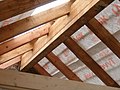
(59, 27)
(23, 39)
(24, 81)
(16, 52)
(26, 24)
(10, 62)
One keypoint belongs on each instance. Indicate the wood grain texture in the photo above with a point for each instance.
(16, 52)
(69, 24)
(89, 62)
(14, 80)
(10, 8)
(31, 22)
(41, 70)
(104, 35)
(95, 7)
(10, 62)
(23, 39)
(62, 67)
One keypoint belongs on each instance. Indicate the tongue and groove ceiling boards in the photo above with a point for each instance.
(76, 40)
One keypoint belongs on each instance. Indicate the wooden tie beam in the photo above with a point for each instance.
(13, 80)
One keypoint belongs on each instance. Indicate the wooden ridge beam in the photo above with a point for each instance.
(108, 39)
(10, 8)
(68, 29)
(89, 62)
(14, 80)
(41, 70)
(62, 67)
(23, 39)
(28, 23)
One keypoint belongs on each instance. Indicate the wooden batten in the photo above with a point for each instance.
(90, 63)
(41, 70)
(105, 36)
(62, 67)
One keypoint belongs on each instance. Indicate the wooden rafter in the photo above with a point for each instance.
(26, 24)
(10, 62)
(58, 29)
(62, 67)
(90, 63)
(95, 7)
(16, 52)
(13, 80)
(104, 36)
(41, 70)
(10, 8)
(23, 39)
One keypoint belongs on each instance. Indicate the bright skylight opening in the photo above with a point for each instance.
(49, 6)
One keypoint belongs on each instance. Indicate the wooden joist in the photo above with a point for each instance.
(10, 8)
(41, 70)
(62, 67)
(14, 80)
(104, 36)
(67, 27)
(26, 24)
(89, 62)
(23, 39)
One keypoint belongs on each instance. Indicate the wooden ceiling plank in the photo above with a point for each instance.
(62, 67)
(41, 70)
(10, 62)
(89, 62)
(10, 8)
(26, 24)
(67, 26)
(14, 80)
(104, 35)
(23, 39)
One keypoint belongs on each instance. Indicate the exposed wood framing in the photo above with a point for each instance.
(10, 8)
(14, 80)
(104, 36)
(41, 70)
(62, 67)
(67, 27)
(10, 62)
(16, 52)
(23, 25)
(23, 39)
(89, 62)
